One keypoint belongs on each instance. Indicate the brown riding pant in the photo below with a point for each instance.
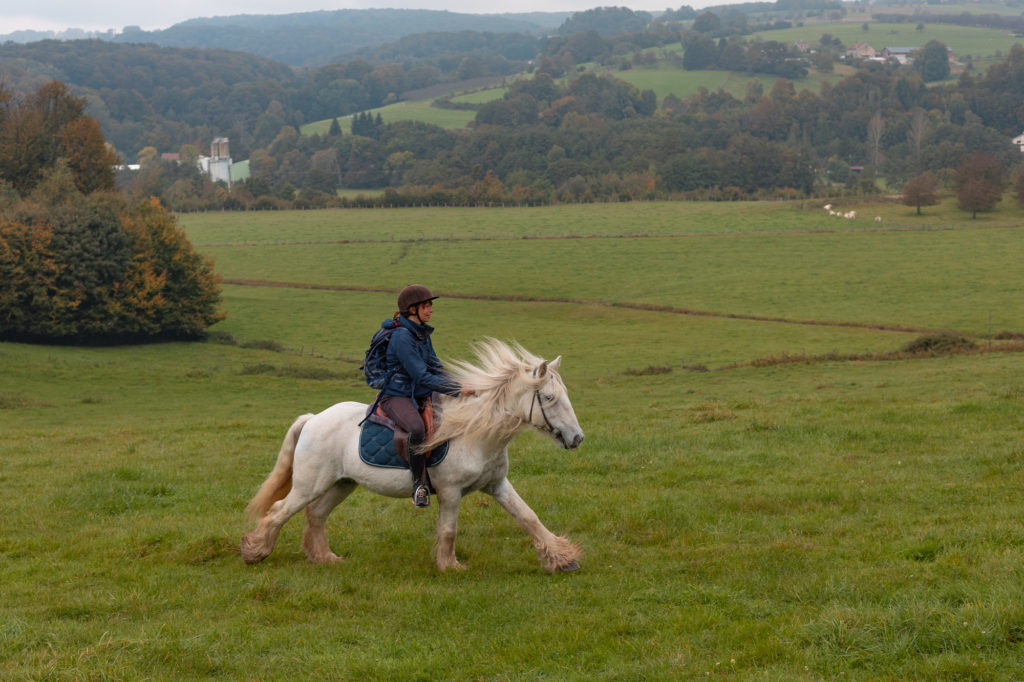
(406, 414)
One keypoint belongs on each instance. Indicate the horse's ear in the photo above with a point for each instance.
(540, 370)
(554, 364)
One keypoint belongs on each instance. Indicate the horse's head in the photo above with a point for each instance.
(549, 408)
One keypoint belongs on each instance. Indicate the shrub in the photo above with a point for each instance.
(90, 269)
(941, 343)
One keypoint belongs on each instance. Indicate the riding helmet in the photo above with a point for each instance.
(414, 294)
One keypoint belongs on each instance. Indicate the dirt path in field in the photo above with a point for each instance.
(638, 235)
(673, 310)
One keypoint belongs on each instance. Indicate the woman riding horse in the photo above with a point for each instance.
(414, 372)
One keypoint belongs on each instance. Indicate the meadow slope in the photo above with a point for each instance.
(807, 520)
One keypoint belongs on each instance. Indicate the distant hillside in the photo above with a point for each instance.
(318, 38)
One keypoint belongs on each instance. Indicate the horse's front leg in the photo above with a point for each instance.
(447, 527)
(555, 552)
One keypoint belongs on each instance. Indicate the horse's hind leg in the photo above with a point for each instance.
(257, 545)
(555, 552)
(314, 535)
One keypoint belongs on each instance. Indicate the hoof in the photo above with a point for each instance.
(570, 567)
(251, 552)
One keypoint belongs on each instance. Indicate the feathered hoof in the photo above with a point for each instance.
(252, 552)
(561, 555)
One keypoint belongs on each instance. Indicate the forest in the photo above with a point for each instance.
(561, 132)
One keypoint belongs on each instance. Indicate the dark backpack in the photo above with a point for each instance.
(375, 364)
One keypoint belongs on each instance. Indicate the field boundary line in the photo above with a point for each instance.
(638, 235)
(645, 307)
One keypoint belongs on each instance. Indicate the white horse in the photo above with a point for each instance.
(319, 463)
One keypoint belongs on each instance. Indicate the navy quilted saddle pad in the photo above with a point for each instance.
(377, 448)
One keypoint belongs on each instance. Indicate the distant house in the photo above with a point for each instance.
(168, 156)
(861, 51)
(1019, 141)
(802, 46)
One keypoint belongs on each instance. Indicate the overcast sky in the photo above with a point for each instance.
(93, 15)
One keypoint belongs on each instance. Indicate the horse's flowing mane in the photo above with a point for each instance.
(502, 372)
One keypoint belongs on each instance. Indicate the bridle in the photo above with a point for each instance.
(547, 423)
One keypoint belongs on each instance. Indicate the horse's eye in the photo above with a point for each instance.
(549, 397)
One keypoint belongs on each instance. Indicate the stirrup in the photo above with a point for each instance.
(421, 496)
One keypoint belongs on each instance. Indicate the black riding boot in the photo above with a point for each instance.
(420, 491)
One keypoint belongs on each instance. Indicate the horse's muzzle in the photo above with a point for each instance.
(574, 443)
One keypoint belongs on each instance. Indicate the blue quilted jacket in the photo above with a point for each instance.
(417, 370)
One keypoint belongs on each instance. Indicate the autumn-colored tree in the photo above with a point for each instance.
(188, 286)
(89, 157)
(92, 269)
(77, 263)
(921, 191)
(979, 183)
(48, 125)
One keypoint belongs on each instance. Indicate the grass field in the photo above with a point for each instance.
(421, 111)
(983, 46)
(746, 514)
(668, 80)
(979, 43)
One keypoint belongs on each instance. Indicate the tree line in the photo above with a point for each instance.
(598, 138)
(79, 263)
(145, 95)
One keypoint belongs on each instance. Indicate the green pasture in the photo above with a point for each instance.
(743, 518)
(421, 111)
(979, 43)
(794, 263)
(979, 8)
(667, 80)
(481, 96)
(985, 46)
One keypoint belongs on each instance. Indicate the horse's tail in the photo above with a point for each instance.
(279, 482)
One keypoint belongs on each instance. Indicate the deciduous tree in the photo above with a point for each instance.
(979, 183)
(921, 191)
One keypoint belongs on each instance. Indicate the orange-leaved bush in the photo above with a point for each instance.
(92, 269)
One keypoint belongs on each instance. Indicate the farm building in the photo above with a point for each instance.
(861, 51)
(218, 164)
